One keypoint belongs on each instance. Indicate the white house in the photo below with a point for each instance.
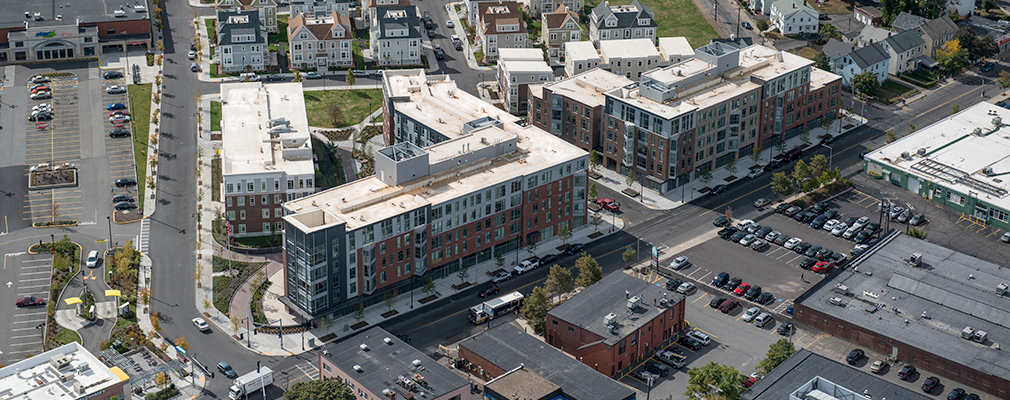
(848, 61)
(241, 41)
(906, 51)
(322, 8)
(501, 26)
(267, 10)
(395, 35)
(675, 49)
(580, 57)
(630, 57)
(320, 42)
(793, 17)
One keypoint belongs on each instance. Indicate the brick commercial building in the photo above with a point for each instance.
(573, 108)
(60, 31)
(266, 154)
(924, 305)
(517, 365)
(616, 322)
(697, 115)
(463, 182)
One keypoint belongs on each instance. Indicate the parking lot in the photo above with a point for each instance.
(118, 150)
(29, 276)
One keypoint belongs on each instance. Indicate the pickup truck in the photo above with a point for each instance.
(672, 359)
(527, 265)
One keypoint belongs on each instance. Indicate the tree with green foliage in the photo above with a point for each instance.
(755, 154)
(777, 353)
(593, 194)
(463, 274)
(821, 61)
(782, 185)
(800, 172)
(535, 308)
(954, 109)
(714, 379)
(565, 234)
(349, 78)
(988, 5)
(630, 178)
(890, 136)
(762, 24)
(780, 146)
(596, 219)
(985, 47)
(589, 270)
(628, 255)
(559, 280)
(951, 56)
(889, 9)
(805, 133)
(829, 31)
(390, 300)
(731, 166)
(818, 165)
(429, 286)
(1003, 80)
(594, 160)
(866, 83)
(705, 176)
(917, 233)
(322, 389)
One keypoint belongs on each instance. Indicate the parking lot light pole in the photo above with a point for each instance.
(109, 218)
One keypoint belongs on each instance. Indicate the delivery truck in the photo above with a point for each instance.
(250, 383)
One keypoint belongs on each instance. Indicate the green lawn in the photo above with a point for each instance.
(891, 91)
(215, 115)
(355, 106)
(140, 110)
(282, 31)
(67, 336)
(805, 52)
(221, 300)
(679, 18)
(211, 34)
(331, 170)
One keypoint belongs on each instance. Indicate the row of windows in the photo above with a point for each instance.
(250, 187)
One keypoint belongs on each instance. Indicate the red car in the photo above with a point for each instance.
(30, 302)
(750, 381)
(119, 112)
(609, 205)
(485, 292)
(823, 267)
(743, 288)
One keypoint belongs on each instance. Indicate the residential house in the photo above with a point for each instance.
(267, 10)
(871, 34)
(936, 32)
(906, 21)
(631, 21)
(320, 42)
(869, 15)
(572, 109)
(539, 7)
(241, 41)
(848, 61)
(794, 17)
(560, 27)
(630, 57)
(501, 26)
(322, 8)
(907, 52)
(675, 49)
(580, 57)
(396, 35)
(518, 68)
(370, 7)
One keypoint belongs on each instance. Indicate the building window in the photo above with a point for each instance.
(620, 347)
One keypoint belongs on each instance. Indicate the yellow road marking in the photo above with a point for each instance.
(700, 297)
(815, 341)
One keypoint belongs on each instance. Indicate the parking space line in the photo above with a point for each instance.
(32, 286)
(995, 231)
(24, 329)
(36, 273)
(34, 321)
(27, 344)
(25, 336)
(700, 297)
(33, 279)
(29, 314)
(815, 341)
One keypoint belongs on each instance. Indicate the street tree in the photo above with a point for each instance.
(821, 61)
(705, 177)
(829, 31)
(917, 233)
(589, 271)
(630, 178)
(535, 308)
(712, 379)
(986, 47)
(559, 280)
(1003, 80)
(755, 154)
(911, 128)
(800, 172)
(818, 165)
(322, 389)
(628, 255)
(777, 353)
(762, 24)
(531, 247)
(565, 234)
(951, 56)
(782, 185)
(596, 219)
(390, 300)
(594, 161)
(592, 191)
(890, 136)
(866, 83)
(826, 123)
(463, 274)
(429, 286)
(349, 78)
(181, 342)
(780, 146)
(731, 166)
(805, 134)
(954, 109)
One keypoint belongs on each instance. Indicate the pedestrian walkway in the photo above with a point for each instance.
(679, 196)
(123, 61)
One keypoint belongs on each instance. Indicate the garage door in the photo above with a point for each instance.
(913, 184)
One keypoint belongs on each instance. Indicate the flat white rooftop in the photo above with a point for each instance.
(677, 45)
(581, 51)
(628, 48)
(586, 88)
(434, 98)
(247, 146)
(956, 150)
(532, 54)
(519, 67)
(39, 378)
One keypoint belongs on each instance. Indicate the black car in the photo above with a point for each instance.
(485, 292)
(832, 214)
(972, 396)
(112, 75)
(772, 165)
(720, 279)
(812, 251)
(674, 283)
(824, 254)
(439, 53)
(126, 205)
(854, 356)
(275, 77)
(781, 208)
(732, 283)
(549, 258)
(404, 338)
(720, 221)
(809, 217)
(808, 262)
(819, 222)
(782, 239)
(930, 383)
(716, 302)
(718, 189)
(753, 292)
(728, 231)
(738, 235)
(956, 394)
(765, 298)
(116, 133)
(862, 236)
(657, 368)
(785, 329)
(690, 343)
(819, 208)
(227, 370)
(802, 247)
(122, 197)
(575, 249)
(761, 233)
(124, 182)
(828, 140)
(431, 33)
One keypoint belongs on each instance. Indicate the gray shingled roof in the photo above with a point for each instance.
(508, 346)
(804, 365)
(836, 49)
(872, 34)
(226, 30)
(938, 28)
(412, 22)
(383, 363)
(956, 289)
(588, 308)
(625, 19)
(905, 41)
(867, 56)
(906, 22)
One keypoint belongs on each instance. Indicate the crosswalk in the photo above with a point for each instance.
(145, 232)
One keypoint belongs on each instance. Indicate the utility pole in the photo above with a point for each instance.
(715, 10)
(738, 8)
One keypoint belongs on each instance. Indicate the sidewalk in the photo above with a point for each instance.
(678, 196)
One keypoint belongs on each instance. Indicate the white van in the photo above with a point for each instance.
(248, 77)
(762, 320)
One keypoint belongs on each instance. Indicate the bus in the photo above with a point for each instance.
(493, 308)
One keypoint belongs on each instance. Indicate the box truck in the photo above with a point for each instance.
(251, 382)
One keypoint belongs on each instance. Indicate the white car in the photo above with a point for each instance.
(747, 240)
(1005, 238)
(700, 336)
(828, 226)
(862, 221)
(762, 320)
(92, 259)
(754, 173)
(670, 358)
(192, 55)
(771, 236)
(686, 288)
(749, 315)
(43, 107)
(501, 276)
(839, 229)
(42, 95)
(852, 231)
(792, 243)
(449, 24)
(679, 263)
(119, 117)
(115, 90)
(743, 224)
(201, 324)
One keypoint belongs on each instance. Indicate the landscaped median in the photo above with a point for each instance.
(66, 264)
(140, 110)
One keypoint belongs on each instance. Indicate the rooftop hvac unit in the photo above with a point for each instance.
(906, 155)
(921, 152)
(363, 347)
(609, 319)
(81, 365)
(1001, 289)
(388, 340)
(987, 171)
(997, 122)
(416, 363)
(67, 376)
(977, 132)
(915, 259)
(967, 333)
(634, 302)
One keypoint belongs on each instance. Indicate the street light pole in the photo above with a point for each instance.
(831, 152)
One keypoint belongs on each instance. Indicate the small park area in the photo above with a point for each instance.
(679, 18)
(340, 108)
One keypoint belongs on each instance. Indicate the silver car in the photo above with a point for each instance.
(750, 314)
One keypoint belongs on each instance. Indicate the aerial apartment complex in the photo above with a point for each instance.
(460, 183)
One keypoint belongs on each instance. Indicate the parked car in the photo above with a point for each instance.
(851, 231)
(747, 240)
(930, 383)
(917, 219)
(112, 75)
(718, 221)
(42, 95)
(802, 248)
(700, 336)
(812, 251)
(115, 106)
(313, 75)
(904, 216)
(124, 182)
(527, 265)
(657, 368)
(791, 211)
(227, 370)
(39, 79)
(191, 55)
(670, 358)
(679, 263)
(575, 248)
(645, 376)
(808, 262)
(763, 319)
(718, 189)
(126, 205)
(763, 231)
(988, 66)
(785, 329)
(754, 173)
(781, 240)
(839, 229)
(119, 132)
(792, 243)
(439, 52)
(819, 221)
(752, 228)
(686, 288)
(720, 279)
(878, 366)
(92, 259)
(750, 314)
(895, 212)
(859, 249)
(771, 236)
(501, 276)
(823, 267)
(30, 301)
(201, 324)
(690, 343)
(824, 254)
(449, 24)
(674, 283)
(854, 356)
(727, 232)
(612, 206)
(1005, 238)
(746, 25)
(431, 33)
(194, 67)
(731, 284)
(956, 394)
(753, 292)
(759, 245)
(121, 197)
(716, 302)
(487, 291)
(728, 306)
(548, 258)
(119, 119)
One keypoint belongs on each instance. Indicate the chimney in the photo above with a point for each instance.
(888, 33)
(794, 5)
